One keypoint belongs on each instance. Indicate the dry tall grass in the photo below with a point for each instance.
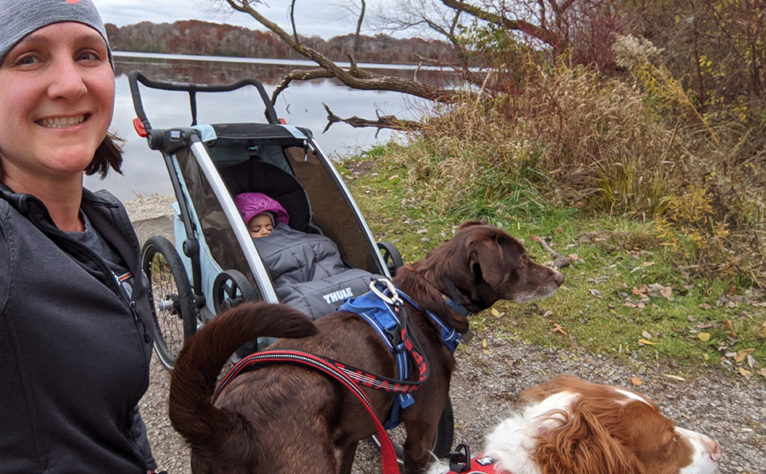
(574, 138)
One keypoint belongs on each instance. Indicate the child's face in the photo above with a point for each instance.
(260, 226)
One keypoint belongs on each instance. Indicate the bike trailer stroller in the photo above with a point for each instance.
(214, 263)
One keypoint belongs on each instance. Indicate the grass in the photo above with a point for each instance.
(625, 295)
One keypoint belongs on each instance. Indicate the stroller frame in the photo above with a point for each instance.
(190, 302)
(187, 300)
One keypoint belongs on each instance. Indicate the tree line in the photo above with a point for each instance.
(204, 38)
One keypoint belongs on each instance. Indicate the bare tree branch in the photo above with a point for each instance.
(545, 35)
(358, 29)
(354, 78)
(383, 121)
(299, 75)
(560, 261)
(292, 21)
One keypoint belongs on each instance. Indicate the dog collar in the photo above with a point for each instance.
(453, 296)
(449, 336)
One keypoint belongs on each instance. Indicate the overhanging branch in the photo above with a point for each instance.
(383, 121)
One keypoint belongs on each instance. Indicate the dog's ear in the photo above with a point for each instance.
(485, 251)
(580, 443)
(465, 224)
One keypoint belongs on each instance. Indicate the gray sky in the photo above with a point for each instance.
(325, 18)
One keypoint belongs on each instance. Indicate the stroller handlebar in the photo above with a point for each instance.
(134, 77)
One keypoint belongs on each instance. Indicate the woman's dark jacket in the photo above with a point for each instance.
(74, 350)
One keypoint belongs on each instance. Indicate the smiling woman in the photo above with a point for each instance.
(57, 88)
(74, 353)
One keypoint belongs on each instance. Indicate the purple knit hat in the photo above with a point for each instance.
(252, 204)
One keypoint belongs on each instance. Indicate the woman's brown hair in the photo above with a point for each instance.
(108, 155)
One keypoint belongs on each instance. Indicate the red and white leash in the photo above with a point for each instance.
(388, 454)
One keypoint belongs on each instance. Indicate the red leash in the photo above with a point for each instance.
(390, 463)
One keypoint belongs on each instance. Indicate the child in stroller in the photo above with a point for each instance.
(298, 262)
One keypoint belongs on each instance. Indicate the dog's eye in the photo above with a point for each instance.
(670, 443)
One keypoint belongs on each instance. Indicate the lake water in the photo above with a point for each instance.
(144, 171)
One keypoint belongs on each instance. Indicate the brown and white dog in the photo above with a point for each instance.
(568, 425)
(288, 419)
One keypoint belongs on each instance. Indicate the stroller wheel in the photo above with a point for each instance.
(391, 256)
(231, 288)
(174, 315)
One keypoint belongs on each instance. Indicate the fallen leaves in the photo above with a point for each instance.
(744, 361)
(636, 381)
(654, 290)
(645, 340)
(745, 373)
(484, 347)
(675, 377)
(642, 266)
(558, 328)
(641, 295)
(703, 336)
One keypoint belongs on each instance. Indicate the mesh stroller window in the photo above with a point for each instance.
(331, 211)
(216, 229)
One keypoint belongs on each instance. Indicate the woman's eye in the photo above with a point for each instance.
(27, 59)
(88, 56)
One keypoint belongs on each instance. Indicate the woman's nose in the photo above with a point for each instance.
(66, 80)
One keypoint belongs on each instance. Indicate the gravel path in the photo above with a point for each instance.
(489, 378)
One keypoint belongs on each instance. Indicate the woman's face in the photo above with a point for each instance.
(57, 99)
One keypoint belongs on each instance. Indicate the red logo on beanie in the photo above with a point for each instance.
(72, 2)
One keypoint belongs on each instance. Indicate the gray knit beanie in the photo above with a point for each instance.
(18, 18)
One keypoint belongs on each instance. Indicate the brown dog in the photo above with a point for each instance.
(570, 426)
(288, 419)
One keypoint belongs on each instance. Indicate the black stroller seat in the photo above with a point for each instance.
(259, 176)
(306, 267)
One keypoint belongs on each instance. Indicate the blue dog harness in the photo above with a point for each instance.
(381, 307)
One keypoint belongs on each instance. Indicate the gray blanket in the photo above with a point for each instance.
(308, 272)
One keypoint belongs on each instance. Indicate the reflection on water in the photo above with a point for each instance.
(144, 172)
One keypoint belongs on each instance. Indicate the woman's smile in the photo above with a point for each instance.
(62, 122)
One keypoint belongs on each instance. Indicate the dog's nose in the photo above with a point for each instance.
(714, 448)
(558, 278)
